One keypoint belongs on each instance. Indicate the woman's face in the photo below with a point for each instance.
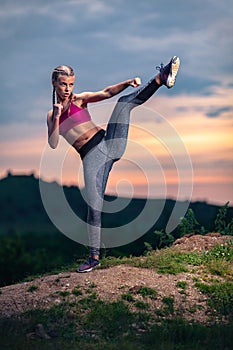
(64, 86)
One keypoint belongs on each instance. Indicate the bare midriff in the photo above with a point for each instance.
(82, 140)
(77, 138)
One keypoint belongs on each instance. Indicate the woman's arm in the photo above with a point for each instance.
(109, 91)
(53, 125)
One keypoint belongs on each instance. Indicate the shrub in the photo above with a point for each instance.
(188, 223)
(221, 225)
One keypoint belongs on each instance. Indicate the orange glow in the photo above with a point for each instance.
(155, 139)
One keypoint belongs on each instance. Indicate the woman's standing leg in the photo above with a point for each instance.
(96, 166)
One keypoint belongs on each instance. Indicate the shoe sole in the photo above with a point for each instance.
(173, 72)
(88, 270)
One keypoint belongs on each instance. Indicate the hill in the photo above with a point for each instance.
(31, 244)
(178, 297)
(21, 208)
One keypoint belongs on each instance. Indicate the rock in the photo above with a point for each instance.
(40, 331)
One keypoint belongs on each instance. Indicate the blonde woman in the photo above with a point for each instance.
(98, 148)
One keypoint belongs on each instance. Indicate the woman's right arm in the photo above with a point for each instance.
(53, 125)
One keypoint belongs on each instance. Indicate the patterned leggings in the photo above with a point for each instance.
(98, 163)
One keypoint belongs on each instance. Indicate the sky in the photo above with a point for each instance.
(180, 142)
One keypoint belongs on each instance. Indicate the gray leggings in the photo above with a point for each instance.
(98, 163)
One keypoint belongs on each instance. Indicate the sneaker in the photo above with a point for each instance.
(88, 265)
(169, 72)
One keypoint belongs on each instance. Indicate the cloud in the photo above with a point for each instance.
(110, 41)
(217, 112)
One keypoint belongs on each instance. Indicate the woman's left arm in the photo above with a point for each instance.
(109, 91)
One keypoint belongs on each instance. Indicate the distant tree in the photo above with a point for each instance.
(163, 239)
(188, 223)
(221, 225)
(14, 260)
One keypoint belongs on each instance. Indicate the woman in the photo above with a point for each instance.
(98, 148)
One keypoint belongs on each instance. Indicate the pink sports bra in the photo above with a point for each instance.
(72, 117)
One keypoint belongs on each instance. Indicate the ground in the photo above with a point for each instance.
(113, 282)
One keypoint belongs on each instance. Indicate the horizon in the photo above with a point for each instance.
(33, 174)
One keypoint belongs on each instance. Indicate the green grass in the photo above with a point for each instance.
(220, 296)
(181, 284)
(110, 326)
(218, 261)
(89, 323)
(32, 288)
(76, 291)
(147, 292)
(128, 297)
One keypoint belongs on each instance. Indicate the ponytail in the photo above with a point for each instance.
(53, 101)
(54, 96)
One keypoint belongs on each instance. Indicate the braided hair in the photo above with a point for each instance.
(61, 70)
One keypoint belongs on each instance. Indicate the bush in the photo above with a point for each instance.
(220, 222)
(188, 223)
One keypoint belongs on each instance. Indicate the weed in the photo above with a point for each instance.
(165, 261)
(163, 239)
(181, 284)
(192, 309)
(188, 223)
(147, 292)
(220, 267)
(220, 296)
(88, 302)
(77, 292)
(169, 305)
(221, 225)
(141, 305)
(148, 248)
(196, 279)
(190, 258)
(221, 251)
(171, 265)
(109, 319)
(219, 260)
(128, 297)
(32, 288)
(64, 293)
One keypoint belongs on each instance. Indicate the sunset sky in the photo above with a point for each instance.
(181, 138)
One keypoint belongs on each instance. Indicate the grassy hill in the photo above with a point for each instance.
(31, 244)
(176, 298)
(142, 297)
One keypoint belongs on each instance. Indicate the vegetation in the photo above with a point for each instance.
(188, 223)
(220, 296)
(87, 322)
(131, 323)
(43, 253)
(221, 224)
(90, 323)
(23, 255)
(218, 261)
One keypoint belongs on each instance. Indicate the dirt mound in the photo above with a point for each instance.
(199, 243)
(111, 283)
